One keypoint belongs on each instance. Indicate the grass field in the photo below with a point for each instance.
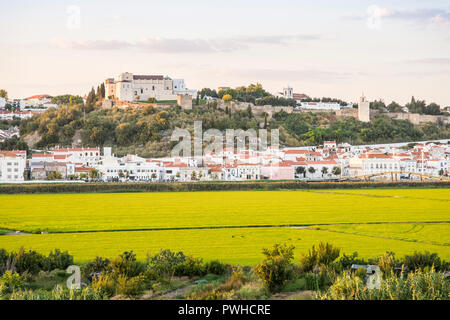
(144, 211)
(239, 246)
(368, 221)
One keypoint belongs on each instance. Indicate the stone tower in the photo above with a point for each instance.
(185, 101)
(363, 109)
(288, 93)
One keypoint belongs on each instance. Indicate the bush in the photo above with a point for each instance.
(277, 268)
(105, 284)
(58, 294)
(295, 285)
(387, 263)
(6, 261)
(204, 186)
(98, 265)
(420, 261)
(9, 282)
(130, 287)
(191, 267)
(164, 264)
(58, 260)
(126, 264)
(361, 273)
(252, 291)
(325, 254)
(420, 285)
(30, 261)
(312, 281)
(346, 287)
(346, 261)
(215, 267)
(417, 285)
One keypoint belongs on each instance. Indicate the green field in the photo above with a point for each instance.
(230, 226)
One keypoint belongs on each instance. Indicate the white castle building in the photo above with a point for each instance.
(129, 87)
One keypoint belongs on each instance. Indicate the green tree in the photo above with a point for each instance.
(433, 109)
(277, 268)
(3, 94)
(93, 174)
(394, 107)
(337, 171)
(227, 97)
(301, 170)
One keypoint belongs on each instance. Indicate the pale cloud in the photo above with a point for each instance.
(375, 15)
(438, 61)
(179, 45)
(293, 75)
(90, 44)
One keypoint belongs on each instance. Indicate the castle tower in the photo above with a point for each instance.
(363, 109)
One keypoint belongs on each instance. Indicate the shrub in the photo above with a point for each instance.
(387, 263)
(252, 291)
(215, 267)
(58, 260)
(346, 261)
(361, 273)
(420, 261)
(191, 267)
(204, 186)
(104, 283)
(417, 285)
(9, 282)
(277, 268)
(98, 265)
(30, 261)
(312, 281)
(57, 294)
(6, 261)
(325, 254)
(295, 285)
(126, 264)
(130, 287)
(165, 263)
(346, 287)
(320, 280)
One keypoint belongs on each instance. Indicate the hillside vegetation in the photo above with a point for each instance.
(147, 131)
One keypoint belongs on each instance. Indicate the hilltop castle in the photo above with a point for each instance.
(129, 87)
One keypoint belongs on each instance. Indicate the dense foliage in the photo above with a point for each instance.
(126, 277)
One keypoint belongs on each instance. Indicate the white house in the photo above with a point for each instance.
(12, 165)
(130, 167)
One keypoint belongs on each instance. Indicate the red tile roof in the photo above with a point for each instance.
(39, 96)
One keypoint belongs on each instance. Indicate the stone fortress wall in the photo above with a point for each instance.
(416, 118)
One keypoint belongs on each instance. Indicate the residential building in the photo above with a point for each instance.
(12, 165)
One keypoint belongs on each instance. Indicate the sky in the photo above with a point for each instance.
(390, 50)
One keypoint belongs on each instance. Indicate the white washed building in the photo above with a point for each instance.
(12, 165)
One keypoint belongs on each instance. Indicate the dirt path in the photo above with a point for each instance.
(178, 292)
(17, 233)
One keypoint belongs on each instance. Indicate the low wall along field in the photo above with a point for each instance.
(229, 226)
